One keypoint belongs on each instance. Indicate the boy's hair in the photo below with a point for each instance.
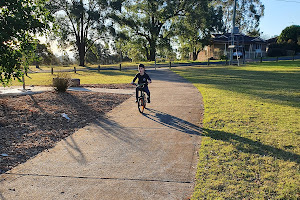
(141, 65)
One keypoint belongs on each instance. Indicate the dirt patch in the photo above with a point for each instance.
(32, 123)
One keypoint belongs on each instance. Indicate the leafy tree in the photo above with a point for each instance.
(82, 23)
(151, 21)
(131, 47)
(289, 40)
(248, 14)
(44, 55)
(194, 30)
(19, 20)
(98, 53)
(290, 35)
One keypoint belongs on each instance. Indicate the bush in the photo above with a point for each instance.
(276, 52)
(223, 57)
(61, 82)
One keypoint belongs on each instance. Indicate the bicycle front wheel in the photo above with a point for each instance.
(141, 105)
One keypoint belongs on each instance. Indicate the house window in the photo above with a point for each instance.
(257, 46)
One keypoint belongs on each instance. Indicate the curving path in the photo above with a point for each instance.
(125, 155)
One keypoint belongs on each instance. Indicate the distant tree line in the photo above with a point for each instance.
(105, 31)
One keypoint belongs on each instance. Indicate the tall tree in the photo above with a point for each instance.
(194, 30)
(82, 23)
(248, 14)
(19, 21)
(151, 20)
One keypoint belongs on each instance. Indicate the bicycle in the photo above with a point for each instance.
(141, 98)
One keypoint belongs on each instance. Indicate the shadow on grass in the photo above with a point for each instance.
(275, 86)
(241, 143)
(247, 145)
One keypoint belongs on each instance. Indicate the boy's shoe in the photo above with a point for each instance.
(148, 99)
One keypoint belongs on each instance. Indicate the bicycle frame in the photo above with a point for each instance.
(141, 98)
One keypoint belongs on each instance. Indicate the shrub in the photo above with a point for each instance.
(61, 82)
(276, 52)
(223, 57)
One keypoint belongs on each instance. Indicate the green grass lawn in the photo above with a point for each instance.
(251, 143)
(86, 77)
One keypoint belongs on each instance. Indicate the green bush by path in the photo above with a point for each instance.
(86, 77)
(251, 143)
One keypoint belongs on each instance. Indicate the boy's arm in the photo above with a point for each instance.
(150, 81)
(134, 79)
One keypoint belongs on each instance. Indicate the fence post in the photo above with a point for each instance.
(226, 62)
(98, 68)
(170, 64)
(277, 59)
(261, 59)
(52, 70)
(75, 70)
(208, 62)
(120, 67)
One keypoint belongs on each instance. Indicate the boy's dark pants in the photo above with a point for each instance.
(145, 89)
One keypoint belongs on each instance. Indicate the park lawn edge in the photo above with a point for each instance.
(246, 153)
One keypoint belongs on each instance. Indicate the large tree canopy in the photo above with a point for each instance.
(248, 14)
(152, 22)
(195, 28)
(82, 23)
(19, 21)
(290, 35)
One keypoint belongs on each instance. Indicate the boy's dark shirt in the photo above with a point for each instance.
(142, 79)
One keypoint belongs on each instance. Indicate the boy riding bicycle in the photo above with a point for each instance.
(143, 79)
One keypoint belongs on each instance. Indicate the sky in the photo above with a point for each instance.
(279, 14)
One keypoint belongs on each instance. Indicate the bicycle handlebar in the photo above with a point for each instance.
(139, 85)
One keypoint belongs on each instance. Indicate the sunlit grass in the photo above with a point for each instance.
(86, 77)
(251, 128)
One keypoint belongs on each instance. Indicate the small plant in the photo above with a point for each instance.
(61, 82)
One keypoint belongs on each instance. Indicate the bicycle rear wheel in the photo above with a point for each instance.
(141, 104)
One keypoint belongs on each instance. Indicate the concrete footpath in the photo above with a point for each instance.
(125, 155)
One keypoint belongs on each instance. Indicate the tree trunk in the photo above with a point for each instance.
(82, 36)
(81, 50)
(195, 55)
(152, 51)
(147, 52)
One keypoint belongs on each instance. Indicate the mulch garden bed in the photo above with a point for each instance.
(32, 123)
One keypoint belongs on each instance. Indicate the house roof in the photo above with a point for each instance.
(272, 40)
(225, 38)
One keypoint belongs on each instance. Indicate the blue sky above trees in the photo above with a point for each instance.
(279, 14)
